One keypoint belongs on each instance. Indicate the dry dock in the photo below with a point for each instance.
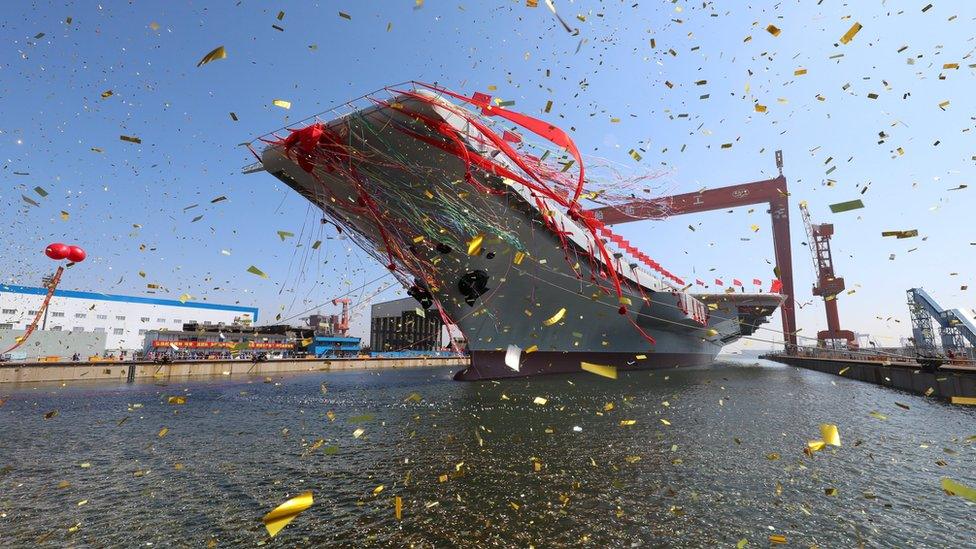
(30, 372)
(955, 382)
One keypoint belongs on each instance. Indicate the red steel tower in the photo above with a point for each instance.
(827, 286)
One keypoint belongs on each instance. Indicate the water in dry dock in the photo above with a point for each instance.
(99, 473)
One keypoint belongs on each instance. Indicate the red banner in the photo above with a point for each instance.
(220, 345)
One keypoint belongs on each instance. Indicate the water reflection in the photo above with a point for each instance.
(479, 464)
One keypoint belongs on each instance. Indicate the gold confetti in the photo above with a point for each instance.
(345, 15)
(816, 445)
(849, 35)
(878, 415)
(474, 245)
(162, 432)
(760, 108)
(626, 422)
(532, 349)
(600, 370)
(154, 26)
(358, 432)
(185, 297)
(901, 234)
(776, 538)
(130, 139)
(540, 401)
(971, 401)
(286, 512)
(378, 489)
(282, 103)
(217, 53)
(397, 507)
(830, 434)
(107, 93)
(799, 72)
(285, 234)
(846, 206)
(65, 215)
(254, 270)
(666, 422)
(843, 370)
(635, 155)
(519, 257)
(955, 489)
(51, 414)
(176, 399)
(944, 104)
(773, 29)
(555, 318)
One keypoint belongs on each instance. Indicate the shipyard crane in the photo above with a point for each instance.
(828, 285)
(342, 327)
(769, 191)
(954, 326)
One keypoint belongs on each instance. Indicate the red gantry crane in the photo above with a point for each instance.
(827, 286)
(770, 191)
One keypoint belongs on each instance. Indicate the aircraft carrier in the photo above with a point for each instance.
(533, 291)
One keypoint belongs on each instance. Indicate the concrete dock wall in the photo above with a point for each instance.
(32, 372)
(944, 383)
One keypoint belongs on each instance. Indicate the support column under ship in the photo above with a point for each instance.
(516, 288)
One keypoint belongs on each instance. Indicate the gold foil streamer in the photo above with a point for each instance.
(286, 512)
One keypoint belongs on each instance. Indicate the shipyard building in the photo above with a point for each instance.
(401, 326)
(91, 323)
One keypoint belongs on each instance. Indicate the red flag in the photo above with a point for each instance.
(776, 287)
(757, 282)
(699, 282)
(719, 282)
(736, 282)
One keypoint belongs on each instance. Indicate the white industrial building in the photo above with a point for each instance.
(124, 320)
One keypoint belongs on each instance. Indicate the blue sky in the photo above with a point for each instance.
(54, 116)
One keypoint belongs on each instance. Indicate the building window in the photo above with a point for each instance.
(77, 329)
(176, 321)
(207, 323)
(160, 320)
(80, 315)
(118, 331)
(9, 311)
(55, 328)
(142, 332)
(32, 313)
(120, 317)
(56, 314)
(144, 319)
(99, 330)
(6, 326)
(102, 317)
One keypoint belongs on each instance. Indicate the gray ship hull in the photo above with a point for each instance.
(543, 305)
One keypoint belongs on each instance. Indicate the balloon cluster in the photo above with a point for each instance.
(59, 251)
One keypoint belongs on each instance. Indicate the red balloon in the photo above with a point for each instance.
(76, 254)
(57, 250)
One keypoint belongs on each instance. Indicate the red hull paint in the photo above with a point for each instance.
(491, 364)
